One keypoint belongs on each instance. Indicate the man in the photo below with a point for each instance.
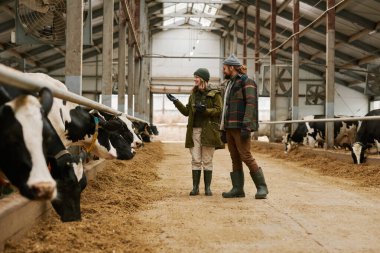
(239, 119)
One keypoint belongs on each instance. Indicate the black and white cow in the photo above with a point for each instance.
(144, 130)
(136, 141)
(367, 136)
(65, 168)
(78, 127)
(118, 133)
(313, 133)
(22, 157)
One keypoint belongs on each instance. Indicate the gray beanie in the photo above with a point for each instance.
(232, 61)
(202, 73)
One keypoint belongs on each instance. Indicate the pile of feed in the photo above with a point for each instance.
(108, 207)
(363, 174)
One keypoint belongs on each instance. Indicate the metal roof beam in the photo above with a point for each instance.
(344, 14)
(279, 10)
(185, 15)
(303, 55)
(6, 26)
(198, 1)
(156, 7)
(303, 39)
(191, 27)
(6, 2)
(87, 55)
(321, 29)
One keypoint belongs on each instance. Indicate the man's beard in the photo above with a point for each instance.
(227, 76)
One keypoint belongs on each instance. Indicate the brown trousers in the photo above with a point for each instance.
(240, 151)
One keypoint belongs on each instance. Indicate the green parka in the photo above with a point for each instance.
(210, 136)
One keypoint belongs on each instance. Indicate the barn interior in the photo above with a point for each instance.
(307, 57)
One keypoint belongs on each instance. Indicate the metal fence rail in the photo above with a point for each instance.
(9, 76)
(321, 120)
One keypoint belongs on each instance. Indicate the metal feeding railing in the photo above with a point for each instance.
(9, 76)
(322, 120)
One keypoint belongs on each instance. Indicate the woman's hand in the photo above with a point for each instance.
(200, 108)
(171, 97)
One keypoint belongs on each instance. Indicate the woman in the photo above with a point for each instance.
(202, 136)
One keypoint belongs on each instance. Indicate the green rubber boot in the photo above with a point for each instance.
(196, 179)
(261, 186)
(207, 178)
(237, 191)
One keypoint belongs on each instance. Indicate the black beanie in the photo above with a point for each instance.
(202, 73)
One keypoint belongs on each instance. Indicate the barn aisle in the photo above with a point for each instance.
(304, 212)
(143, 205)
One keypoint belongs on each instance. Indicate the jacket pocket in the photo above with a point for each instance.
(211, 134)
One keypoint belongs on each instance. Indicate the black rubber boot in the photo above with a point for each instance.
(196, 179)
(237, 191)
(261, 186)
(207, 176)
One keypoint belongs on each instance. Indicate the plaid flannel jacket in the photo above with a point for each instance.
(242, 104)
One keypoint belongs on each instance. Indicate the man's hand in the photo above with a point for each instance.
(223, 136)
(171, 97)
(200, 108)
(245, 134)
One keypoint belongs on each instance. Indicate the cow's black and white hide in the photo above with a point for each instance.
(22, 154)
(367, 136)
(65, 168)
(126, 130)
(136, 141)
(77, 127)
(118, 133)
(144, 130)
(312, 134)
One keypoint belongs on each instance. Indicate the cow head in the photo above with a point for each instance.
(289, 143)
(67, 170)
(21, 147)
(315, 138)
(136, 141)
(67, 203)
(357, 152)
(143, 130)
(113, 135)
(346, 134)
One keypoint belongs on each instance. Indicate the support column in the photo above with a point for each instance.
(235, 45)
(257, 41)
(330, 73)
(74, 46)
(227, 50)
(137, 89)
(222, 54)
(121, 66)
(107, 52)
(131, 73)
(245, 36)
(273, 70)
(295, 63)
(146, 96)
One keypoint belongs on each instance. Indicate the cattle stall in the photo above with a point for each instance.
(14, 206)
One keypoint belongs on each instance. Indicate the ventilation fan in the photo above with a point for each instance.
(283, 80)
(315, 94)
(44, 21)
(373, 80)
